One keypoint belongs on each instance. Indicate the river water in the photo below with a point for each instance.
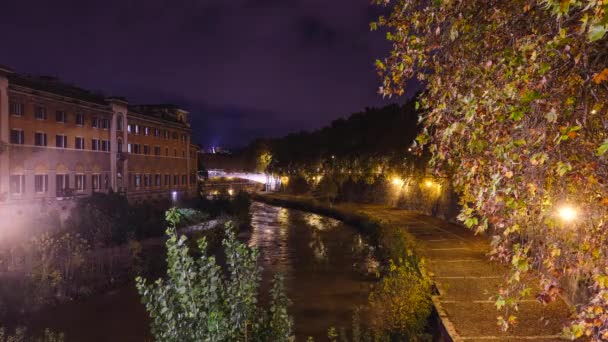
(327, 266)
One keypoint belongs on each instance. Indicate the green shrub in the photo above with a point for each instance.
(200, 302)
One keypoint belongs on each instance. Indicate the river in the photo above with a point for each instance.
(326, 263)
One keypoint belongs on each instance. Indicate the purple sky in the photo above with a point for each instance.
(244, 68)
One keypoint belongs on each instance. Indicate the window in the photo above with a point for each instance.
(184, 180)
(40, 113)
(157, 150)
(146, 181)
(60, 116)
(105, 145)
(119, 123)
(40, 139)
(79, 143)
(166, 134)
(129, 128)
(146, 149)
(95, 144)
(136, 129)
(105, 123)
(61, 141)
(17, 137)
(157, 180)
(17, 184)
(166, 151)
(167, 180)
(175, 136)
(80, 182)
(157, 132)
(137, 180)
(129, 148)
(96, 182)
(62, 182)
(16, 108)
(80, 119)
(146, 130)
(94, 122)
(136, 148)
(41, 183)
(184, 138)
(175, 180)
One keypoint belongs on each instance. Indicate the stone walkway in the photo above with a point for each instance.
(466, 280)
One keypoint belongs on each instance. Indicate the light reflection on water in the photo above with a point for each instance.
(326, 263)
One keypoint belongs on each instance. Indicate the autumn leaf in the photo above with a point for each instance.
(601, 76)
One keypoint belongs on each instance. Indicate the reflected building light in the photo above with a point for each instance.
(174, 196)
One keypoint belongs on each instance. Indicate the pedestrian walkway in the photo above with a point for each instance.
(466, 280)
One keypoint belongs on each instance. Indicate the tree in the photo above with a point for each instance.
(197, 302)
(515, 112)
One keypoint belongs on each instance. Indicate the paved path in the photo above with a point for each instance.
(467, 280)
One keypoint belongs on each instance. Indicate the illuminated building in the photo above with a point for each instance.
(58, 141)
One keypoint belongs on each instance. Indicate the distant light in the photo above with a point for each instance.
(409, 149)
(174, 196)
(593, 111)
(429, 184)
(567, 213)
(333, 157)
(397, 181)
(230, 192)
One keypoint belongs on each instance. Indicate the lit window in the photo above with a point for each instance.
(136, 129)
(129, 148)
(129, 128)
(137, 180)
(146, 130)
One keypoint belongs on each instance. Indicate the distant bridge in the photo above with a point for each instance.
(219, 181)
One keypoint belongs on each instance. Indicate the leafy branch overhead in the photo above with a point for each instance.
(516, 111)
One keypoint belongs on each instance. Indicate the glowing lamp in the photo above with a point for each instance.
(230, 192)
(174, 196)
(428, 183)
(567, 213)
(397, 181)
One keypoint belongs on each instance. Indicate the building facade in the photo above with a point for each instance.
(60, 141)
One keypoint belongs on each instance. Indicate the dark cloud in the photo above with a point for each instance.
(244, 68)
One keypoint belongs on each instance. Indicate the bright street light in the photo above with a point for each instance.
(567, 213)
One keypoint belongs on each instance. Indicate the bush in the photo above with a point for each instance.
(199, 301)
(298, 185)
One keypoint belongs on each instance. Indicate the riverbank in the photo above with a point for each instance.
(465, 280)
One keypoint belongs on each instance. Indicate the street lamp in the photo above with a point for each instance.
(397, 181)
(567, 213)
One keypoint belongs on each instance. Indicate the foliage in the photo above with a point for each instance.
(298, 185)
(198, 302)
(515, 113)
(401, 302)
(21, 335)
(327, 190)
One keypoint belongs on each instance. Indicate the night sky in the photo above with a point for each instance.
(244, 68)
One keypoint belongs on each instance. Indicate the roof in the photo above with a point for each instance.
(53, 85)
(167, 112)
